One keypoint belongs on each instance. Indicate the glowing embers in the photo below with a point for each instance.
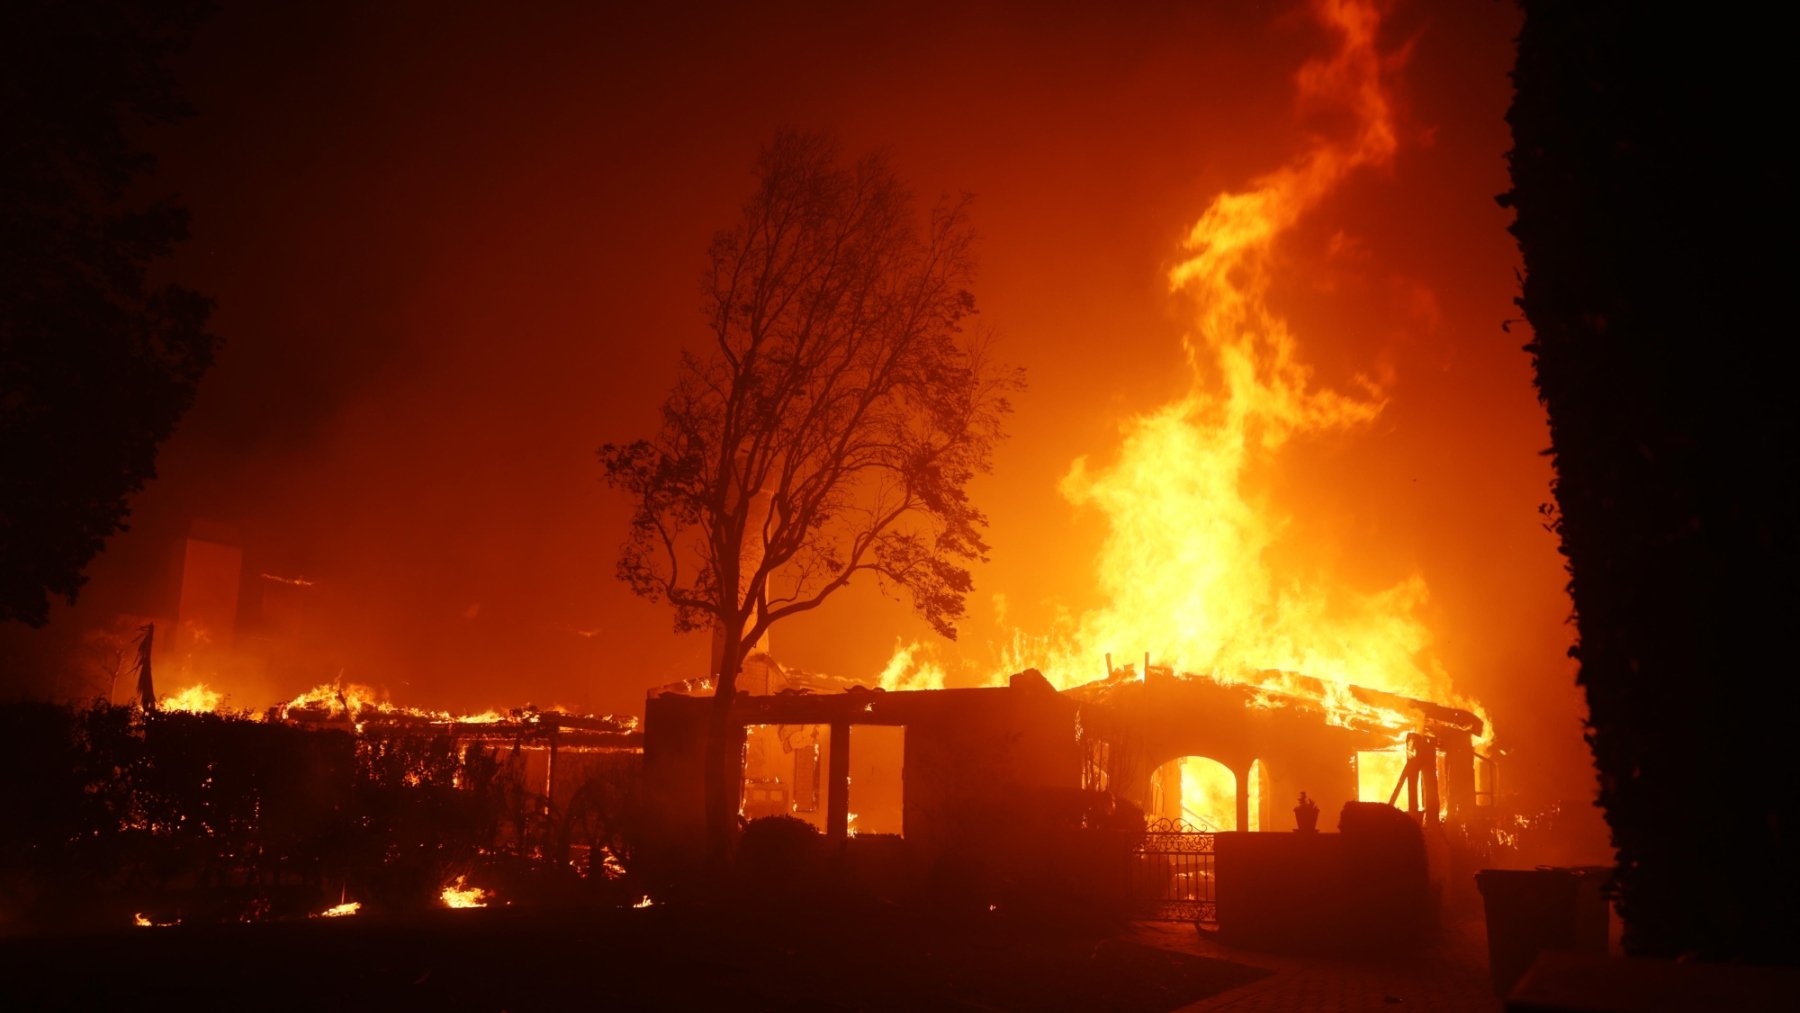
(344, 701)
(357, 705)
(344, 910)
(610, 866)
(459, 894)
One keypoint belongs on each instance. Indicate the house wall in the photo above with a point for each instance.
(981, 767)
(985, 775)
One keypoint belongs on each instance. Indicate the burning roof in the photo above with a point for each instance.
(1376, 712)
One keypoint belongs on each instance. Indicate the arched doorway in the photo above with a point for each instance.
(1198, 790)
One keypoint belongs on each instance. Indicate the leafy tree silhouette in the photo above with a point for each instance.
(830, 430)
(1656, 216)
(97, 363)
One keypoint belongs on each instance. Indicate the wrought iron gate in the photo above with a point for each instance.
(1172, 873)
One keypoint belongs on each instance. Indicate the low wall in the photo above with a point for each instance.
(1363, 888)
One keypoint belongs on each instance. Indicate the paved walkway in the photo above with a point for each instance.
(1448, 977)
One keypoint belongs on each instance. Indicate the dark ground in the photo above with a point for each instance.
(658, 958)
(1449, 974)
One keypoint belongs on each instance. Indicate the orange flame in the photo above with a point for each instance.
(1185, 566)
(610, 866)
(460, 895)
(912, 667)
(1204, 792)
(356, 703)
(339, 700)
(196, 699)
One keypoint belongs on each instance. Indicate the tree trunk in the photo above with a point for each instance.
(724, 774)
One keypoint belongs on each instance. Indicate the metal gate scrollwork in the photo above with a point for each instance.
(1172, 872)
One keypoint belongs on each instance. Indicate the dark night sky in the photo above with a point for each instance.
(456, 247)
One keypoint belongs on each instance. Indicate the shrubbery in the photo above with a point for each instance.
(203, 817)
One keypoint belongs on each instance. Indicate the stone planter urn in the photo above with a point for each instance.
(1306, 815)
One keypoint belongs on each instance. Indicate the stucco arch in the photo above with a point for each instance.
(1199, 790)
(1282, 751)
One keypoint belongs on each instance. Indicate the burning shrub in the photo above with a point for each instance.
(205, 817)
(211, 816)
(423, 810)
(603, 820)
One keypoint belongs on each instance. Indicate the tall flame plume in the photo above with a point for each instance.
(1185, 569)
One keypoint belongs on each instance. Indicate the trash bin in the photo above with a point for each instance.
(1531, 910)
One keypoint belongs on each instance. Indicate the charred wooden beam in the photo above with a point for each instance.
(837, 793)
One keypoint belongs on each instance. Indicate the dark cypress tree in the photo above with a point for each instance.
(1654, 192)
(97, 361)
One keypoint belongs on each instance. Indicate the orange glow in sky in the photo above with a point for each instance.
(453, 253)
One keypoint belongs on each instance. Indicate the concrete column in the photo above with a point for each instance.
(1242, 774)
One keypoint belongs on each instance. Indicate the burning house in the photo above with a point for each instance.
(991, 779)
(1263, 742)
(565, 775)
(1200, 559)
(947, 762)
